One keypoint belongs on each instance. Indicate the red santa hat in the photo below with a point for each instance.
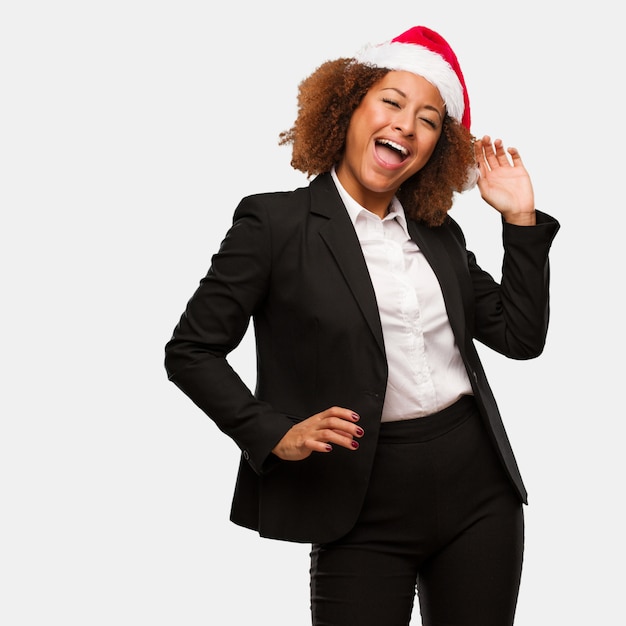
(426, 53)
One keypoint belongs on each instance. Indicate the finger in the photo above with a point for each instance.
(334, 427)
(341, 420)
(515, 156)
(339, 438)
(341, 413)
(479, 158)
(349, 429)
(490, 154)
(344, 436)
(318, 446)
(350, 434)
(500, 152)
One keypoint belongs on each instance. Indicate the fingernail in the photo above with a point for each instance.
(355, 417)
(359, 431)
(328, 447)
(354, 444)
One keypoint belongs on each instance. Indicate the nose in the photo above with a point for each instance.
(404, 123)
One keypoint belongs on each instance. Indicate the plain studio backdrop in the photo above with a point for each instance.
(129, 131)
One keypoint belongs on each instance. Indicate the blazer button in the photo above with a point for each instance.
(246, 455)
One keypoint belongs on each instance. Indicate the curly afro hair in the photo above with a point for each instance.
(326, 101)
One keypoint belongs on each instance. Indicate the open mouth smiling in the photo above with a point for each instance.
(390, 151)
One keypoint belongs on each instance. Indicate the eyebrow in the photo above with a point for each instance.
(430, 107)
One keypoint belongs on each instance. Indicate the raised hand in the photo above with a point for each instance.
(504, 182)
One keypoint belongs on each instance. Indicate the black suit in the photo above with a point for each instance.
(292, 262)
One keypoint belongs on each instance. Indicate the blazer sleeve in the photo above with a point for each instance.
(214, 323)
(512, 317)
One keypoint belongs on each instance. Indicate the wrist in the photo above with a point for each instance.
(521, 219)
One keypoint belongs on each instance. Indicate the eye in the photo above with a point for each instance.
(429, 122)
(391, 102)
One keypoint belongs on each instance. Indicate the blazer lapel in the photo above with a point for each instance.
(339, 235)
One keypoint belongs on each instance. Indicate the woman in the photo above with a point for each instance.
(373, 433)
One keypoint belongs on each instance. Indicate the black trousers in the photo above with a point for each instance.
(440, 517)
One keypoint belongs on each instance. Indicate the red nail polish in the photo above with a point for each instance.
(359, 432)
(354, 444)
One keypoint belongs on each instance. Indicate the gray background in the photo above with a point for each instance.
(129, 130)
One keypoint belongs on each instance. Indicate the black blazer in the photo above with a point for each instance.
(292, 262)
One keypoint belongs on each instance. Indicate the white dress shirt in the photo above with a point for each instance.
(426, 372)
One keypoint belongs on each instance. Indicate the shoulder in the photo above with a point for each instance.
(450, 232)
(287, 208)
(273, 205)
(452, 226)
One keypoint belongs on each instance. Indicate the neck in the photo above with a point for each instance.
(377, 202)
(381, 210)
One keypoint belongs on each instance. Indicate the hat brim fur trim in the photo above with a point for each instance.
(423, 62)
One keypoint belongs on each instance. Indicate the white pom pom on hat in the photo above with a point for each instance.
(424, 52)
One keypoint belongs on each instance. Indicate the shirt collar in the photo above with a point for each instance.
(354, 209)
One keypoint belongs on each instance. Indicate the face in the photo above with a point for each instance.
(391, 136)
